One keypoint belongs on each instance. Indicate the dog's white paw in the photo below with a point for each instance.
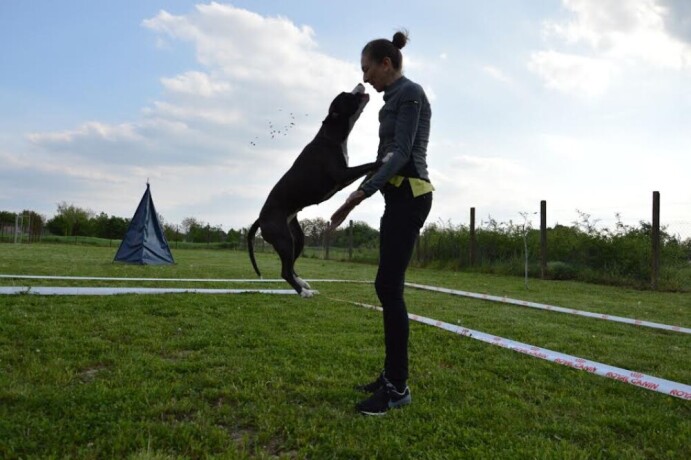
(307, 293)
(303, 283)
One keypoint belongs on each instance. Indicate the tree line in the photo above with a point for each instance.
(73, 221)
(581, 251)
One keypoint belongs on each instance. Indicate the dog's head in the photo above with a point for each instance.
(345, 110)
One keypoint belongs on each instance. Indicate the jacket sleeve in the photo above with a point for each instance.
(407, 117)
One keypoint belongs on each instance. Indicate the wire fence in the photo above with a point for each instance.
(601, 245)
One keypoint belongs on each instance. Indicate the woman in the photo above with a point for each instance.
(404, 126)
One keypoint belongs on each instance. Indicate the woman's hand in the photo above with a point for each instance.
(341, 213)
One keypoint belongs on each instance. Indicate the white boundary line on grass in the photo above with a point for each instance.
(648, 382)
(51, 290)
(541, 306)
(190, 280)
(474, 295)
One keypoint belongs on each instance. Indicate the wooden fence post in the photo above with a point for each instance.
(350, 240)
(473, 240)
(326, 245)
(543, 239)
(655, 236)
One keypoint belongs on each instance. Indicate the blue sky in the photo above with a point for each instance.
(583, 103)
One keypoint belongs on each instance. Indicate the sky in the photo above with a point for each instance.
(583, 103)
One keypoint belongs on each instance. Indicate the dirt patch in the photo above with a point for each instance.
(275, 448)
(90, 373)
(175, 356)
(177, 415)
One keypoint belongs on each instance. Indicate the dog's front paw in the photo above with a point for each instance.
(307, 293)
(303, 283)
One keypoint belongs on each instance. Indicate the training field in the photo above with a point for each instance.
(271, 376)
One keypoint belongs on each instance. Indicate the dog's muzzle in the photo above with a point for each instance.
(359, 89)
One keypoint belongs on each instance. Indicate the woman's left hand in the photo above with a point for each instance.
(341, 213)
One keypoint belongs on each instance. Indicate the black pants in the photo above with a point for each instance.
(400, 226)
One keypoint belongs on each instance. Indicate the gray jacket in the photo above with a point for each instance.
(404, 127)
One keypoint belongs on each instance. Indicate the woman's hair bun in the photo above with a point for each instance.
(400, 38)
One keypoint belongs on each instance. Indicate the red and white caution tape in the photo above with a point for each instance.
(649, 382)
(523, 303)
(676, 389)
(50, 290)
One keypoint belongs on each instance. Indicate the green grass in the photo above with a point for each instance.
(258, 376)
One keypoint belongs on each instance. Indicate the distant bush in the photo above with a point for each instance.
(560, 271)
(581, 252)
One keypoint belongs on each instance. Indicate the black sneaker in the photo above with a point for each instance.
(385, 398)
(373, 386)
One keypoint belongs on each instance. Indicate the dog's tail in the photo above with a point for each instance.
(250, 245)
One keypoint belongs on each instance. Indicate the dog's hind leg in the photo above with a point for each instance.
(278, 235)
(298, 246)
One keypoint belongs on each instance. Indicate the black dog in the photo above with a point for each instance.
(318, 173)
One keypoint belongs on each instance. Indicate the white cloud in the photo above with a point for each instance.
(196, 84)
(605, 39)
(144, 143)
(487, 181)
(216, 115)
(496, 74)
(573, 74)
(111, 133)
(565, 149)
(208, 138)
(246, 47)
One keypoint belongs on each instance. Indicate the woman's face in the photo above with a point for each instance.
(377, 74)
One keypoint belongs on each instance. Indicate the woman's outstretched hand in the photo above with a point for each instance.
(341, 213)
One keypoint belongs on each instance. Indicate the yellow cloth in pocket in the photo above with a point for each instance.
(418, 186)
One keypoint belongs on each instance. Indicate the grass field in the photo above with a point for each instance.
(259, 376)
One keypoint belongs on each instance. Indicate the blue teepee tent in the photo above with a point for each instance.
(144, 242)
